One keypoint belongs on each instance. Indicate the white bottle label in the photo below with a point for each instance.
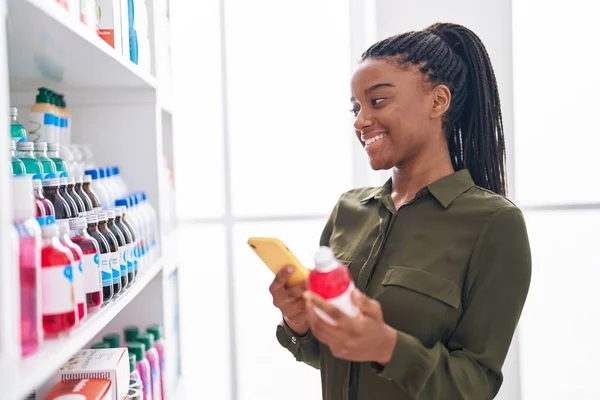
(123, 260)
(58, 292)
(107, 278)
(130, 258)
(42, 127)
(116, 266)
(79, 282)
(343, 302)
(92, 276)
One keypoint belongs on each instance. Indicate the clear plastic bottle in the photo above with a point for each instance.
(40, 152)
(61, 165)
(112, 184)
(143, 367)
(143, 227)
(122, 247)
(100, 189)
(159, 344)
(17, 131)
(123, 191)
(92, 275)
(25, 154)
(59, 309)
(104, 181)
(331, 280)
(64, 230)
(154, 360)
(105, 256)
(114, 251)
(153, 218)
(17, 166)
(30, 270)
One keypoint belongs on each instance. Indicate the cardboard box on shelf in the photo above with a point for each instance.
(82, 389)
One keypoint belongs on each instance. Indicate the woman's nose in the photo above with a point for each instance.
(362, 121)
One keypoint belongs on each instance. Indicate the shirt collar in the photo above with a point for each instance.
(445, 190)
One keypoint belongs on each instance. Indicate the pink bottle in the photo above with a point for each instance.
(59, 309)
(159, 345)
(152, 355)
(92, 275)
(332, 281)
(30, 270)
(143, 366)
(65, 240)
(45, 209)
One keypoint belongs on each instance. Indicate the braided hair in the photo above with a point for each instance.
(454, 56)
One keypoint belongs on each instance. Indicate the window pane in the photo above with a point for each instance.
(204, 309)
(197, 97)
(556, 133)
(288, 68)
(559, 326)
(266, 370)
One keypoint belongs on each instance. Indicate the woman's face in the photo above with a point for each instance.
(397, 113)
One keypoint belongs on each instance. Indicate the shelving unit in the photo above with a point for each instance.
(125, 114)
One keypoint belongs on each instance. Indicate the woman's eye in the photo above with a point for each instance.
(377, 100)
(355, 112)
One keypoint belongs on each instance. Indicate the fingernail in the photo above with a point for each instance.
(289, 269)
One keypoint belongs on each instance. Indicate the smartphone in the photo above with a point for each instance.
(276, 255)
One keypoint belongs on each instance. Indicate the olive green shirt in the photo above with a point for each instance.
(451, 270)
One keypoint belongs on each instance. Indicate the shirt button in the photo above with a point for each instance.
(294, 340)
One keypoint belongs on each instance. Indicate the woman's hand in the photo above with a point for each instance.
(290, 301)
(365, 337)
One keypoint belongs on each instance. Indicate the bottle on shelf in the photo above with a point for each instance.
(62, 190)
(61, 165)
(30, 270)
(113, 340)
(129, 243)
(51, 186)
(135, 225)
(75, 196)
(87, 202)
(130, 333)
(43, 119)
(92, 274)
(153, 359)
(159, 344)
(331, 280)
(40, 153)
(64, 230)
(98, 188)
(143, 367)
(111, 183)
(120, 183)
(110, 195)
(78, 168)
(87, 188)
(110, 224)
(25, 154)
(18, 133)
(17, 166)
(143, 229)
(134, 374)
(105, 256)
(59, 309)
(114, 251)
(153, 224)
(65, 120)
(135, 245)
(100, 345)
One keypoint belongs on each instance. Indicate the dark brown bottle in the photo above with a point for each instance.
(114, 249)
(122, 247)
(71, 191)
(87, 202)
(62, 190)
(105, 253)
(87, 188)
(51, 186)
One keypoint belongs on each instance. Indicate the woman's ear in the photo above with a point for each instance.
(441, 101)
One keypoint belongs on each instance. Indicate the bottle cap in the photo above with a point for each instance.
(147, 339)
(63, 181)
(23, 200)
(122, 203)
(92, 218)
(102, 217)
(93, 173)
(132, 359)
(100, 345)
(87, 178)
(42, 96)
(50, 180)
(131, 333)
(110, 214)
(144, 196)
(113, 339)
(115, 171)
(53, 146)
(101, 173)
(63, 226)
(78, 223)
(156, 331)
(137, 349)
(108, 172)
(133, 200)
(78, 180)
(119, 211)
(25, 146)
(13, 145)
(49, 230)
(325, 259)
(70, 180)
(40, 146)
(14, 112)
(37, 184)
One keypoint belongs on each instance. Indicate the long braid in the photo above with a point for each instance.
(453, 55)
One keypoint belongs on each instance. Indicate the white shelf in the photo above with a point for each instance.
(49, 46)
(36, 369)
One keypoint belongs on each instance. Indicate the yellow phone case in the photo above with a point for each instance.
(275, 254)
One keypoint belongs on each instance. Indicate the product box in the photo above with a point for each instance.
(109, 23)
(111, 364)
(82, 389)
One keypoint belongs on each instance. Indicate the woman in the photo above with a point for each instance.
(439, 256)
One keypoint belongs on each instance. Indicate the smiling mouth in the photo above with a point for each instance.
(374, 139)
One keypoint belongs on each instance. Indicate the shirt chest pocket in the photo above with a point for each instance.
(419, 303)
